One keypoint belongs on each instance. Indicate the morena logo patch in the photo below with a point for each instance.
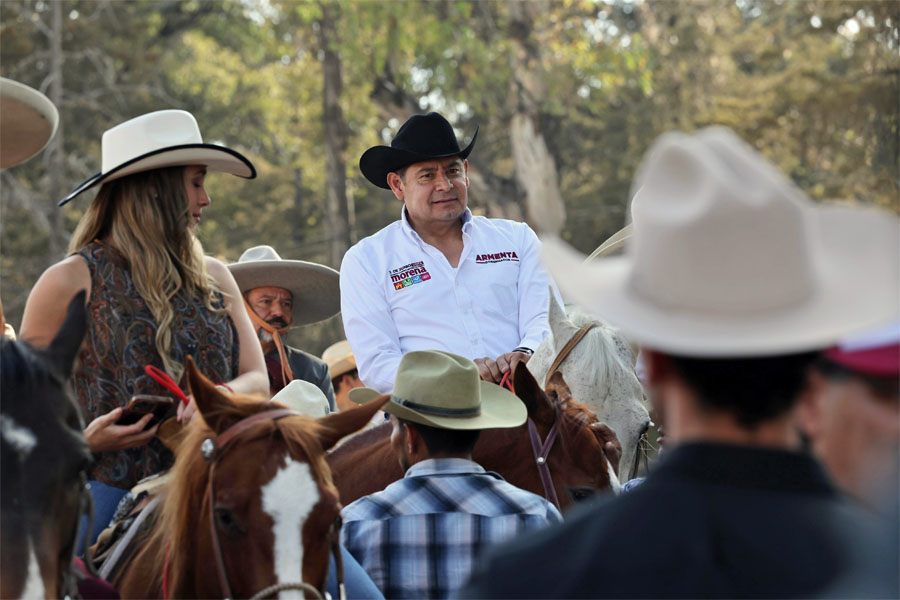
(408, 275)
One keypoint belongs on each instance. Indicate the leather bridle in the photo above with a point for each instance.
(212, 450)
(541, 448)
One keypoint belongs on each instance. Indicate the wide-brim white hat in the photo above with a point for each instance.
(444, 390)
(165, 138)
(303, 397)
(28, 121)
(316, 289)
(729, 259)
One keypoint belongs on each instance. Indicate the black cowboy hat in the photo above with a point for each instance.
(421, 138)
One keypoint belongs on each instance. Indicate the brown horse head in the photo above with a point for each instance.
(274, 506)
(583, 459)
(44, 457)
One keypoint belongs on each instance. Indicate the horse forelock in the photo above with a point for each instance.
(178, 529)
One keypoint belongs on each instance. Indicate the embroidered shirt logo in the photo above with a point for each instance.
(408, 275)
(483, 259)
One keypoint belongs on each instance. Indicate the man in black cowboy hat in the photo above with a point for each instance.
(273, 288)
(439, 278)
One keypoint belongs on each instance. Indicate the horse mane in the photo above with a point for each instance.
(614, 355)
(176, 530)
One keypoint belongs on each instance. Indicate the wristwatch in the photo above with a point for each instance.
(524, 350)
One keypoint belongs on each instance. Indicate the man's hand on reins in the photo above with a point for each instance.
(493, 370)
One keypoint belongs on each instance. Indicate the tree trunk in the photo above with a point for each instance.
(535, 166)
(335, 136)
(57, 237)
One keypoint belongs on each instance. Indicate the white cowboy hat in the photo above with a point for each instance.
(730, 259)
(444, 390)
(165, 138)
(339, 358)
(315, 288)
(28, 121)
(612, 243)
(303, 397)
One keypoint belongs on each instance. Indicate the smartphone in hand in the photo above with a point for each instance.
(140, 405)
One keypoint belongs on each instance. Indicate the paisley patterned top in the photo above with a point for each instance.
(120, 341)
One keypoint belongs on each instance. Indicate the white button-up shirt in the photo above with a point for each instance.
(399, 294)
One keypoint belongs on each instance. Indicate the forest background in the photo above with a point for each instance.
(568, 96)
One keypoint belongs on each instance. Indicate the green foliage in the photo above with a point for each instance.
(812, 84)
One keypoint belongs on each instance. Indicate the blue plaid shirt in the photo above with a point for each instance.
(421, 536)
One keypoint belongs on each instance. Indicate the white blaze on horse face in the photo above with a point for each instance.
(34, 583)
(289, 499)
(19, 437)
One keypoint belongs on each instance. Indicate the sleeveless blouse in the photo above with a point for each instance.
(121, 339)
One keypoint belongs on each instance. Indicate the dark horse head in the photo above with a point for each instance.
(43, 454)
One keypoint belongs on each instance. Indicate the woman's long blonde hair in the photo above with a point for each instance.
(145, 217)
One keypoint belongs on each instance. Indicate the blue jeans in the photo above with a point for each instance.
(106, 499)
(356, 580)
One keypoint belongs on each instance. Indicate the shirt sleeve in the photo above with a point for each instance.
(368, 324)
(534, 289)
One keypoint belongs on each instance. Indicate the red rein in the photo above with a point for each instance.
(163, 379)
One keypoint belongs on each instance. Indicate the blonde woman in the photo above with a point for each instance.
(152, 296)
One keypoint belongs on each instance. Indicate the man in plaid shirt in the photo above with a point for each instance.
(421, 536)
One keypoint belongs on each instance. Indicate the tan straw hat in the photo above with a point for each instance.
(165, 138)
(729, 258)
(339, 358)
(28, 121)
(444, 390)
(303, 397)
(315, 288)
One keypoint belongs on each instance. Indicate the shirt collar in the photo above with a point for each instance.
(744, 467)
(466, 219)
(444, 466)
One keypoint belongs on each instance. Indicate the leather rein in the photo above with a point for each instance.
(541, 448)
(212, 450)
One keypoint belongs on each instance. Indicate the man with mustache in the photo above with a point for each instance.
(273, 288)
(439, 278)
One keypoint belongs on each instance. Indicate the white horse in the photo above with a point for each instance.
(600, 373)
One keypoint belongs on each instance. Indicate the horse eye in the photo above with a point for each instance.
(227, 521)
(582, 493)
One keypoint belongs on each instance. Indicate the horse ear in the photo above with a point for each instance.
(211, 402)
(61, 352)
(340, 424)
(540, 409)
(561, 327)
(558, 388)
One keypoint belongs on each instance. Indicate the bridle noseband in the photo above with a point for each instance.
(212, 450)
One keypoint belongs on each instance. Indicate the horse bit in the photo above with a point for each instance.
(212, 450)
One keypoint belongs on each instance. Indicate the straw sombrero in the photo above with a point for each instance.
(444, 390)
(165, 138)
(28, 121)
(728, 258)
(315, 288)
